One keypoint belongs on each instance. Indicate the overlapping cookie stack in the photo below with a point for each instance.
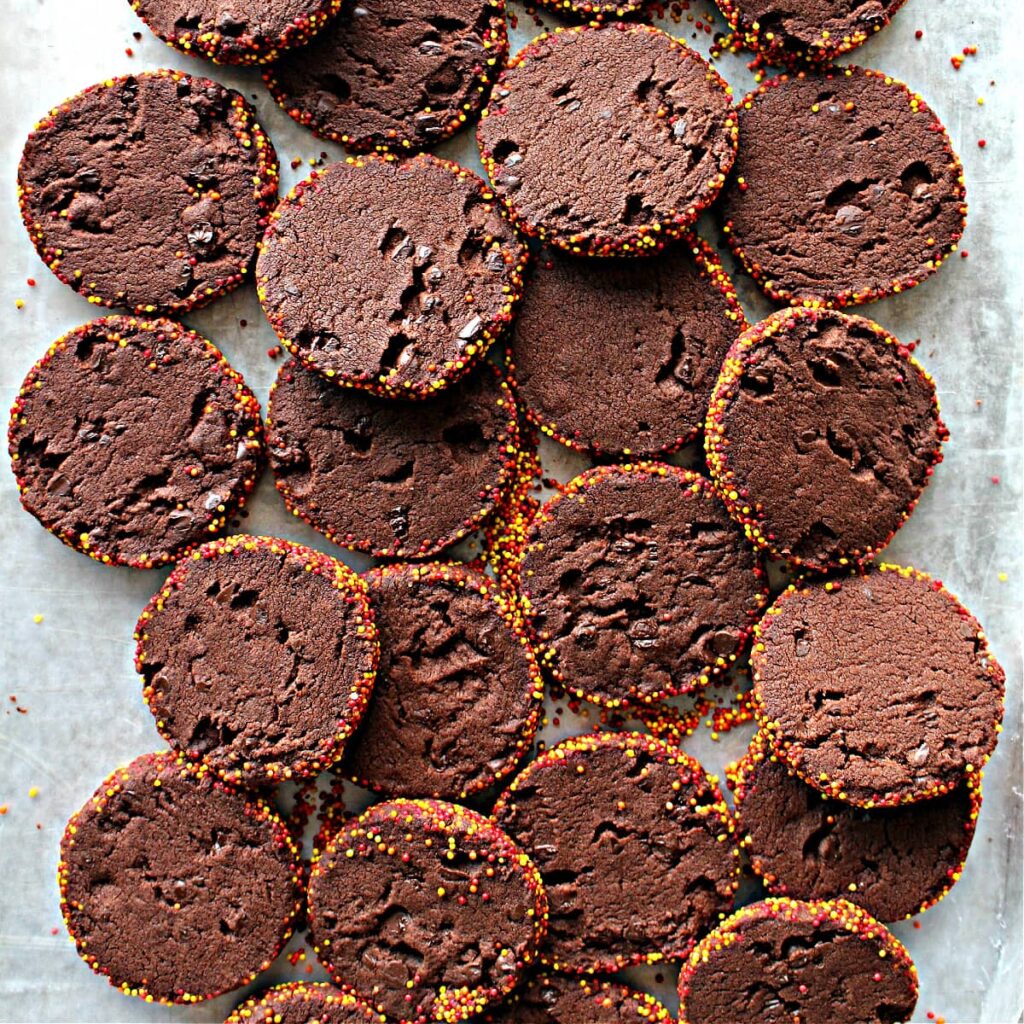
(437, 324)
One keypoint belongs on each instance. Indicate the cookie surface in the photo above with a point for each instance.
(257, 658)
(392, 276)
(793, 32)
(557, 999)
(457, 697)
(382, 477)
(133, 439)
(239, 31)
(878, 688)
(872, 201)
(634, 844)
(605, 140)
(175, 886)
(638, 585)
(894, 862)
(301, 1003)
(781, 960)
(402, 75)
(620, 356)
(821, 435)
(426, 909)
(149, 191)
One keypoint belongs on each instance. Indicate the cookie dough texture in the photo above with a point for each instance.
(557, 999)
(872, 200)
(149, 191)
(175, 886)
(133, 439)
(608, 140)
(400, 75)
(879, 689)
(391, 276)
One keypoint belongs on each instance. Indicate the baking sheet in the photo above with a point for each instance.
(72, 671)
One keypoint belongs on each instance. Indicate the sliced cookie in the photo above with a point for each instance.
(239, 32)
(637, 584)
(608, 140)
(391, 276)
(149, 191)
(879, 688)
(872, 200)
(385, 477)
(300, 1003)
(458, 693)
(795, 32)
(557, 999)
(781, 960)
(634, 844)
(401, 75)
(894, 862)
(132, 440)
(620, 356)
(427, 909)
(257, 658)
(597, 10)
(176, 886)
(821, 435)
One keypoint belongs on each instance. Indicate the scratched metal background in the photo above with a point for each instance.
(73, 674)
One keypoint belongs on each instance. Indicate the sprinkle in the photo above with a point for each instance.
(19, 303)
(982, 143)
(33, 793)
(37, 619)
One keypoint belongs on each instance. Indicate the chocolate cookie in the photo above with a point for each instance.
(821, 435)
(618, 356)
(427, 909)
(872, 200)
(556, 999)
(597, 10)
(239, 32)
(894, 862)
(780, 960)
(174, 885)
(634, 844)
(257, 658)
(401, 75)
(637, 584)
(458, 692)
(300, 1003)
(133, 439)
(382, 476)
(793, 32)
(149, 191)
(610, 139)
(391, 276)
(878, 688)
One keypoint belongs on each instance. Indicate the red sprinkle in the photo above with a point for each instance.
(995, 480)
(982, 143)
(919, 34)
(31, 282)
(129, 52)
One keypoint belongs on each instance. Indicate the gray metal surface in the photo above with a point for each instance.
(72, 671)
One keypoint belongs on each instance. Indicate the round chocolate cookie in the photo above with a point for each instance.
(236, 31)
(131, 440)
(385, 477)
(149, 191)
(634, 844)
(174, 885)
(458, 693)
(620, 356)
(391, 276)
(257, 658)
(300, 1003)
(894, 862)
(426, 909)
(781, 961)
(637, 584)
(557, 999)
(401, 75)
(608, 139)
(821, 435)
(872, 198)
(794, 32)
(879, 689)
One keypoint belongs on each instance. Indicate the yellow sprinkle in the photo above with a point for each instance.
(1003, 577)
(33, 792)
(37, 619)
